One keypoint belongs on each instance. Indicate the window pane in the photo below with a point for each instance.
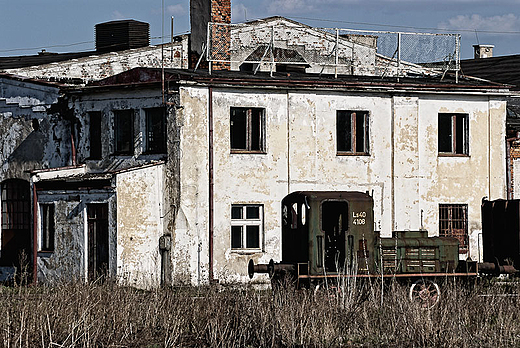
(236, 212)
(253, 213)
(236, 237)
(253, 236)
(155, 130)
(360, 132)
(256, 129)
(95, 135)
(445, 130)
(461, 134)
(124, 129)
(343, 131)
(47, 243)
(238, 129)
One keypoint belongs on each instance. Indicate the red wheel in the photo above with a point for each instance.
(425, 293)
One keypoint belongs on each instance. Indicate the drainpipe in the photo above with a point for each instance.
(210, 164)
(35, 235)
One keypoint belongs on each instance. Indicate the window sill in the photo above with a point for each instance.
(352, 153)
(45, 253)
(447, 154)
(246, 251)
(248, 152)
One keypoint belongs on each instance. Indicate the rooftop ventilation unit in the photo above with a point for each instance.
(121, 35)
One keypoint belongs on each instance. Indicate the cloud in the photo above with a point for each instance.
(116, 15)
(290, 6)
(507, 22)
(177, 10)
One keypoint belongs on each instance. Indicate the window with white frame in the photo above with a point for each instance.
(47, 227)
(246, 226)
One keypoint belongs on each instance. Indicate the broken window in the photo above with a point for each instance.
(247, 130)
(352, 132)
(47, 227)
(124, 132)
(155, 130)
(453, 222)
(95, 135)
(246, 226)
(453, 134)
(16, 207)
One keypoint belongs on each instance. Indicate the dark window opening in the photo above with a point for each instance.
(352, 132)
(47, 227)
(247, 129)
(453, 222)
(246, 226)
(155, 130)
(98, 254)
(16, 210)
(453, 134)
(95, 135)
(124, 132)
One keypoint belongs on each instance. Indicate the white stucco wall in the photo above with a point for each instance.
(404, 171)
(140, 214)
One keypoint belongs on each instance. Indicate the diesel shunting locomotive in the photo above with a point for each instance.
(331, 234)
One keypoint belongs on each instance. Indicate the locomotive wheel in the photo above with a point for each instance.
(425, 293)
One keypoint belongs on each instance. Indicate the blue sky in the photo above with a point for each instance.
(68, 25)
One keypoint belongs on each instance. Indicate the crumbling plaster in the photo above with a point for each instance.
(98, 66)
(403, 171)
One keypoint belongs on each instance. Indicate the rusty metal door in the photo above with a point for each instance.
(97, 217)
(16, 223)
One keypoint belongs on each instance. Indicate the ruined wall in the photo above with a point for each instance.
(316, 47)
(97, 67)
(26, 130)
(403, 171)
(140, 219)
(69, 260)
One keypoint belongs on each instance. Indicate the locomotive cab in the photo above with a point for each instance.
(325, 233)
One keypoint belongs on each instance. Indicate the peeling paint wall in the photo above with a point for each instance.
(140, 216)
(96, 67)
(404, 171)
(140, 199)
(70, 257)
(312, 44)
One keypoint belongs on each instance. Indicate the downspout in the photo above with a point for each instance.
(508, 167)
(35, 235)
(210, 164)
(392, 163)
(288, 146)
(489, 149)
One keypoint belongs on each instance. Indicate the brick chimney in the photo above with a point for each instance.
(201, 13)
(483, 51)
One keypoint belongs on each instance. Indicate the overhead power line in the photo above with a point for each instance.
(406, 27)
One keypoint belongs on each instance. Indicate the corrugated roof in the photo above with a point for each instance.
(502, 69)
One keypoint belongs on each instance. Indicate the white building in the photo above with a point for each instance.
(428, 151)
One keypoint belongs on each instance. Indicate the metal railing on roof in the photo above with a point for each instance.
(268, 45)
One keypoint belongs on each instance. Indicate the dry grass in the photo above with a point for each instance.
(80, 315)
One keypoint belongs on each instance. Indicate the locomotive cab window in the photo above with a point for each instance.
(246, 227)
